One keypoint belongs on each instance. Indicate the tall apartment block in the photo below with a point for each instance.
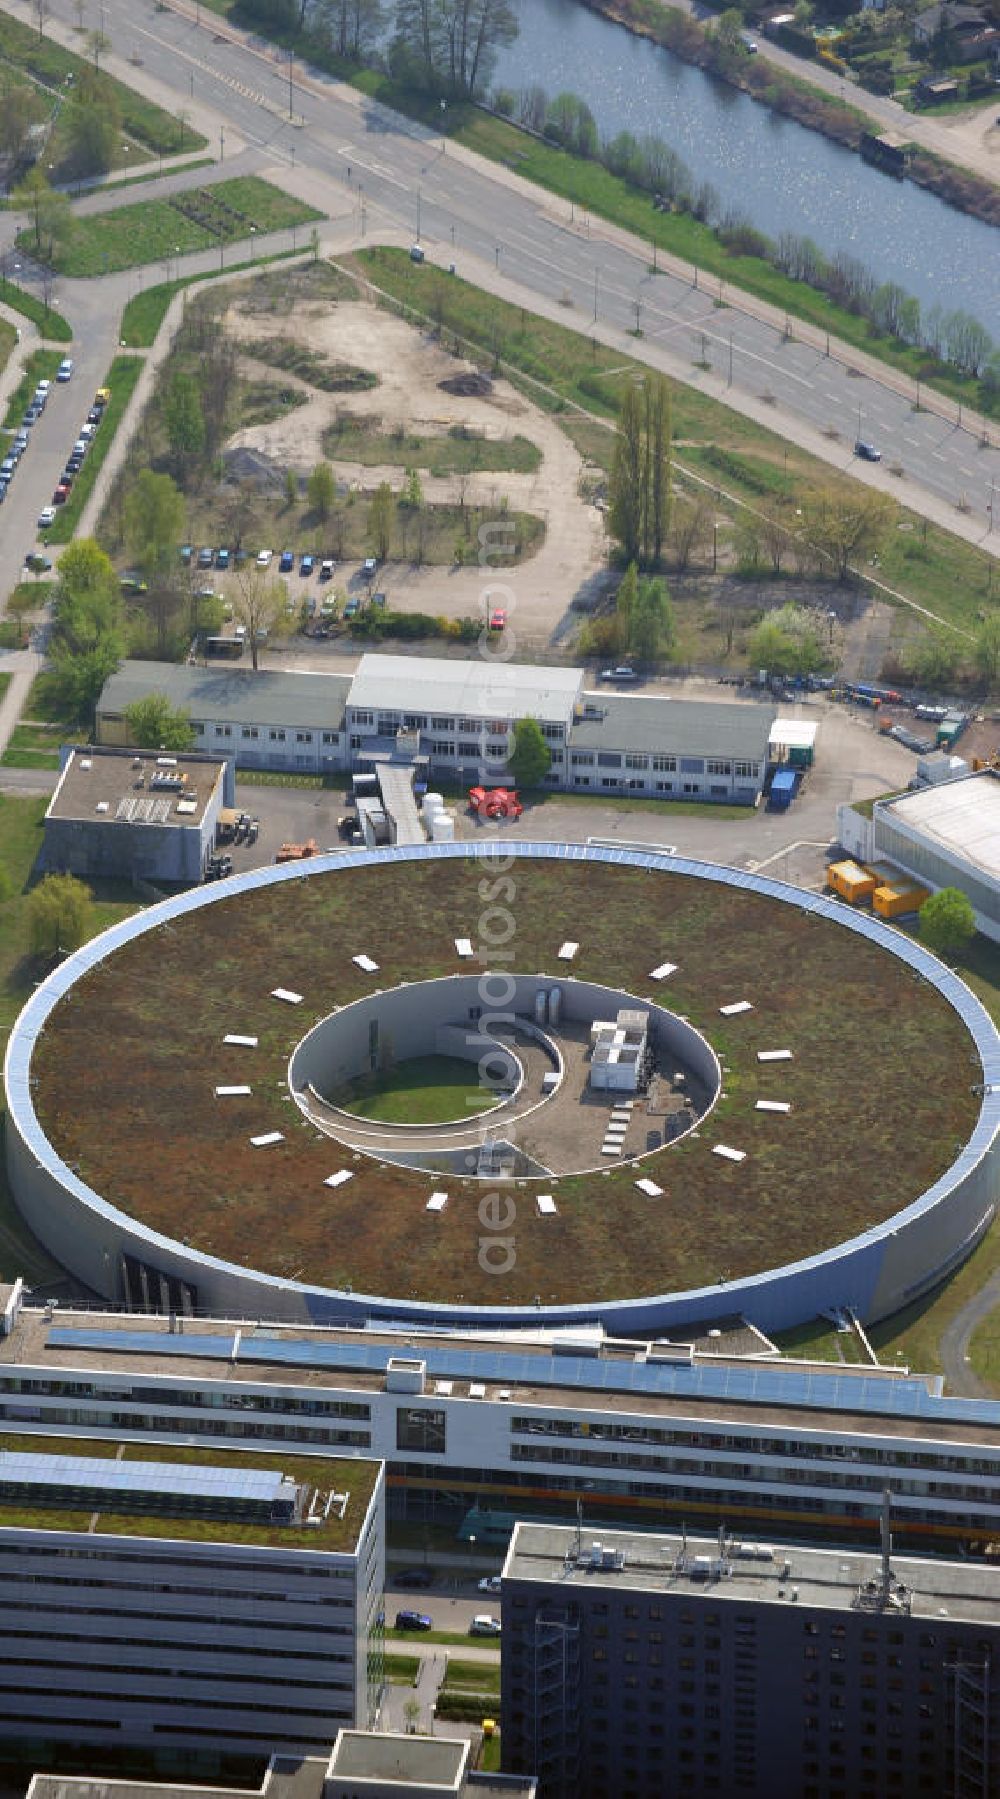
(648, 1667)
(185, 1609)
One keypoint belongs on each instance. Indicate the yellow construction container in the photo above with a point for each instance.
(851, 881)
(894, 902)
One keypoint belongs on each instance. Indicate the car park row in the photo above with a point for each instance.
(22, 438)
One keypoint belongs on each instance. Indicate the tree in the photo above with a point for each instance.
(847, 526)
(321, 490)
(639, 482)
(946, 922)
(625, 605)
(787, 642)
(653, 631)
(381, 520)
(413, 492)
(154, 724)
(60, 915)
(184, 420)
(530, 757)
(451, 44)
(690, 528)
(987, 650)
(260, 604)
(93, 123)
(51, 221)
(154, 524)
(21, 108)
(88, 630)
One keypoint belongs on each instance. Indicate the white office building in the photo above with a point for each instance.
(197, 1606)
(460, 716)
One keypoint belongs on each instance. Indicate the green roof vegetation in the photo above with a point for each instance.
(875, 1119)
(336, 1534)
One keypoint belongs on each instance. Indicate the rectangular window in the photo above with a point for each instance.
(364, 718)
(276, 736)
(303, 736)
(249, 731)
(637, 762)
(467, 748)
(469, 724)
(666, 765)
(223, 730)
(415, 721)
(582, 758)
(720, 768)
(608, 760)
(442, 724)
(692, 765)
(421, 1428)
(747, 771)
(329, 736)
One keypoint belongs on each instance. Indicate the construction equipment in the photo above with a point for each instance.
(296, 852)
(495, 802)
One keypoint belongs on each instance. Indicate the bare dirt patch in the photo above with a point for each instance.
(411, 367)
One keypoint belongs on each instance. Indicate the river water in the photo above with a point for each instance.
(781, 175)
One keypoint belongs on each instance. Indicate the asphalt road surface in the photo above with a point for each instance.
(391, 178)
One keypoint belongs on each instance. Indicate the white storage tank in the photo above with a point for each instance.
(433, 802)
(541, 1006)
(442, 827)
(555, 1005)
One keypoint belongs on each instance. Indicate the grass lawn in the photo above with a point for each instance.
(458, 1639)
(424, 1090)
(146, 311)
(5, 681)
(158, 230)
(818, 1341)
(457, 451)
(121, 378)
(563, 369)
(49, 64)
(474, 1677)
(402, 1670)
(312, 366)
(41, 365)
(50, 323)
(8, 338)
(33, 746)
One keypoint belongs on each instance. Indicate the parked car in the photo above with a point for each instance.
(37, 563)
(95, 415)
(484, 1626)
(307, 565)
(490, 1583)
(205, 557)
(410, 1577)
(867, 451)
(326, 568)
(369, 567)
(352, 608)
(286, 562)
(498, 619)
(87, 432)
(381, 600)
(133, 583)
(621, 673)
(265, 558)
(222, 559)
(416, 253)
(102, 396)
(414, 1621)
(46, 517)
(8, 466)
(43, 387)
(61, 494)
(65, 369)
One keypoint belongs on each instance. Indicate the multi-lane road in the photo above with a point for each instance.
(386, 177)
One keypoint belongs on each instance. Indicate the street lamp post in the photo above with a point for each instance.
(253, 236)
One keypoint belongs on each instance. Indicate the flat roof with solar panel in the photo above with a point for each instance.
(290, 1502)
(868, 1172)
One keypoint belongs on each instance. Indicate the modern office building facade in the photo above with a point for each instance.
(477, 1432)
(193, 1608)
(652, 1667)
(461, 716)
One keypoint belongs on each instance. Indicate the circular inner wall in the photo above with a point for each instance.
(556, 1055)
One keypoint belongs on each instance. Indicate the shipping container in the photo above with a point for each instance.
(896, 902)
(851, 881)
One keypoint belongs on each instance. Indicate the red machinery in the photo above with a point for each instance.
(495, 802)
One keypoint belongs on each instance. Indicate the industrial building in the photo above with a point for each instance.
(479, 1431)
(193, 1608)
(135, 814)
(654, 1666)
(944, 834)
(460, 717)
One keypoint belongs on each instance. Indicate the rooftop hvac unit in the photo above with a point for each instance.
(541, 1005)
(555, 1005)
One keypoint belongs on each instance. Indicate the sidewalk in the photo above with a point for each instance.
(22, 666)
